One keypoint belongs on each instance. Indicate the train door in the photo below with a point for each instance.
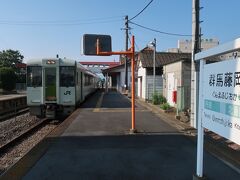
(81, 86)
(50, 85)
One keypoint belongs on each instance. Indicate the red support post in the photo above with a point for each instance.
(133, 84)
(130, 53)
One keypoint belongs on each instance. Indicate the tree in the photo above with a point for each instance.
(9, 58)
(7, 78)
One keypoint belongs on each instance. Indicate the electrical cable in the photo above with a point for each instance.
(129, 32)
(158, 31)
(141, 11)
(63, 22)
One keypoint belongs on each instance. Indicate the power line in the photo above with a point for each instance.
(141, 10)
(137, 47)
(158, 31)
(58, 24)
(63, 22)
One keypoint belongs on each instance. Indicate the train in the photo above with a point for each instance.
(56, 86)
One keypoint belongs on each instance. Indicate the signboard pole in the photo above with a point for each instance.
(130, 53)
(133, 130)
(200, 138)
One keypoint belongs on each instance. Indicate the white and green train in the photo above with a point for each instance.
(56, 86)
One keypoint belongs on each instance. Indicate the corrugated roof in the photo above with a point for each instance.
(162, 58)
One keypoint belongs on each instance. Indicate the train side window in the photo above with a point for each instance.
(67, 74)
(77, 79)
(88, 80)
(34, 76)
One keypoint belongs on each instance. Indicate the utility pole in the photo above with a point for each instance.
(195, 121)
(154, 65)
(194, 66)
(126, 48)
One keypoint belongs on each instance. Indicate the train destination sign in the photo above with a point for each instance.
(221, 98)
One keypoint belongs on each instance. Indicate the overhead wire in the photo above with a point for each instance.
(158, 31)
(141, 11)
(57, 21)
(63, 22)
(130, 33)
(151, 29)
(134, 18)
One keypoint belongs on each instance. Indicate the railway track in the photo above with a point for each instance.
(22, 135)
(13, 113)
(19, 135)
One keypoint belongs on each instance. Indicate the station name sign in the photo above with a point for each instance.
(221, 99)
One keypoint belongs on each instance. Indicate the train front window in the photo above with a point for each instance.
(34, 76)
(67, 75)
(50, 84)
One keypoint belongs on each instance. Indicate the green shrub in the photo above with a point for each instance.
(7, 78)
(165, 106)
(162, 99)
(155, 99)
(158, 98)
(21, 78)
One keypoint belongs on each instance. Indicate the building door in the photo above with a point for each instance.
(114, 81)
(170, 88)
(141, 87)
(50, 85)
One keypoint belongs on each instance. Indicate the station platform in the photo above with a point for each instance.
(94, 143)
(11, 97)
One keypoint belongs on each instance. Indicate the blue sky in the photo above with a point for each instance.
(48, 27)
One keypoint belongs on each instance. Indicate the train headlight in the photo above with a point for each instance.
(51, 62)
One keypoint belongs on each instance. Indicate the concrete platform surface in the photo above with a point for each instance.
(11, 96)
(96, 144)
